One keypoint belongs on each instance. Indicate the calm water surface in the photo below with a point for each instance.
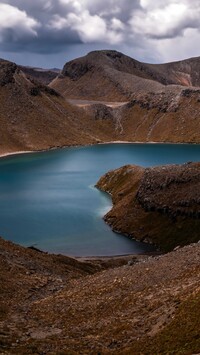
(49, 200)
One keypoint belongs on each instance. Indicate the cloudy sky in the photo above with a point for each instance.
(50, 32)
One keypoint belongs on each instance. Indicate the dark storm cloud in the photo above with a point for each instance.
(48, 25)
(52, 26)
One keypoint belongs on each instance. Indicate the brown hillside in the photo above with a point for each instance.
(159, 205)
(185, 72)
(45, 76)
(104, 75)
(34, 116)
(159, 108)
(111, 75)
(168, 116)
(56, 305)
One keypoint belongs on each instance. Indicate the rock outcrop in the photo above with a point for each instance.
(159, 205)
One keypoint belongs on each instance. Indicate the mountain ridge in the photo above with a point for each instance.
(34, 116)
(107, 65)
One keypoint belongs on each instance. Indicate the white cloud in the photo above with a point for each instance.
(167, 22)
(17, 21)
(58, 23)
(179, 48)
(90, 28)
(116, 24)
(76, 5)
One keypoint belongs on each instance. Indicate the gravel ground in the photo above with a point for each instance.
(97, 309)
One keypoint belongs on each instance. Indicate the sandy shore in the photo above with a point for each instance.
(2, 155)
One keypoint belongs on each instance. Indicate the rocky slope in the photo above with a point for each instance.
(34, 116)
(185, 72)
(45, 76)
(154, 117)
(163, 118)
(111, 75)
(104, 75)
(62, 306)
(163, 99)
(159, 205)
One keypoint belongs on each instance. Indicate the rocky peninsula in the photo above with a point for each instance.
(160, 205)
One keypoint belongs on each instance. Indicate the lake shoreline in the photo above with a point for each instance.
(145, 255)
(14, 153)
(93, 256)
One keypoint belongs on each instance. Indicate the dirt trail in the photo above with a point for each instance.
(84, 103)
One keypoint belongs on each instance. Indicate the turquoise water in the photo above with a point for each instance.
(48, 199)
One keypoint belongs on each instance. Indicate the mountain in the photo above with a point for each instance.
(34, 116)
(103, 75)
(143, 102)
(104, 96)
(111, 75)
(185, 72)
(45, 76)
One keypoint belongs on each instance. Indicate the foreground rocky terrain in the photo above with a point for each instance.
(160, 205)
(57, 305)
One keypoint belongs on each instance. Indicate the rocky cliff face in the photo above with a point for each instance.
(159, 205)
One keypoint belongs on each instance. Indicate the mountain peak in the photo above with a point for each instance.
(106, 52)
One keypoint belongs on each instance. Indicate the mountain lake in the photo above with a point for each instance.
(48, 199)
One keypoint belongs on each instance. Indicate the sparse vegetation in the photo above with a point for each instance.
(148, 305)
(159, 205)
